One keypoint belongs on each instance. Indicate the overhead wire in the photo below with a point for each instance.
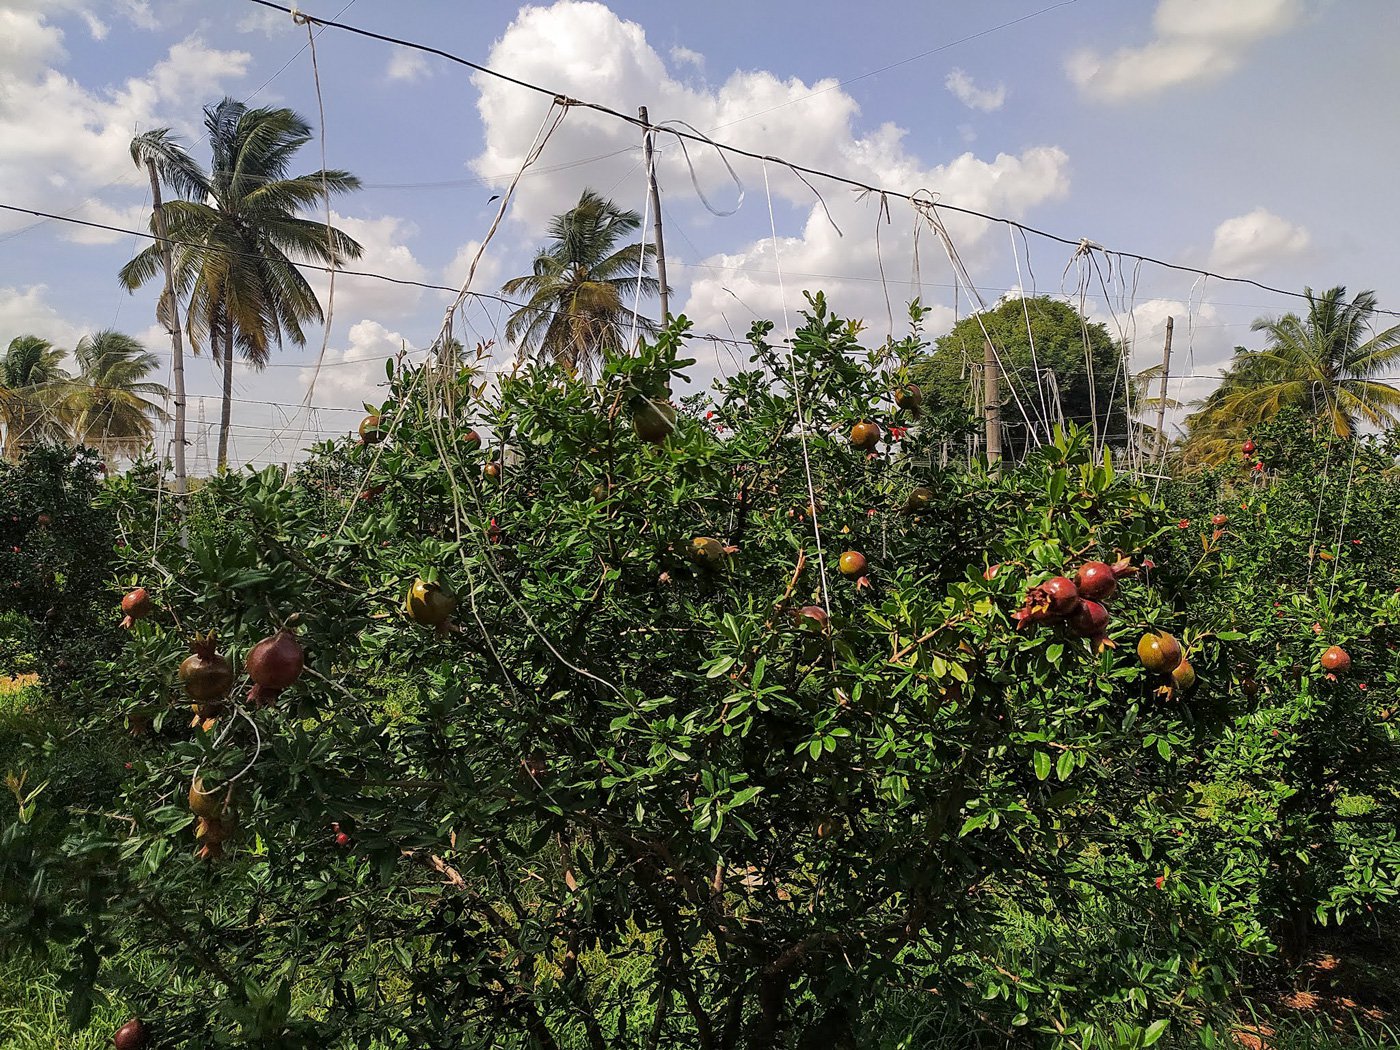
(796, 168)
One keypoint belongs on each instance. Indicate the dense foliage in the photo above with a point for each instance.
(643, 791)
(1055, 365)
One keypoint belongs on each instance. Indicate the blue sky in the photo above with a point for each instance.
(1251, 137)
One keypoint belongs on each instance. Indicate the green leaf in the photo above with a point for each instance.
(1155, 1031)
(1065, 765)
(1042, 764)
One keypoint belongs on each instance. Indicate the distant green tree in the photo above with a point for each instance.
(581, 285)
(111, 404)
(952, 372)
(1325, 364)
(30, 376)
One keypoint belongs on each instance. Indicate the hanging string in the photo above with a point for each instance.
(797, 395)
(1030, 334)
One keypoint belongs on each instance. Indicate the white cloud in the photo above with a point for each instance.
(97, 28)
(488, 270)
(192, 70)
(268, 22)
(385, 252)
(56, 131)
(26, 311)
(1194, 40)
(684, 56)
(27, 43)
(355, 374)
(970, 95)
(587, 51)
(1249, 243)
(407, 65)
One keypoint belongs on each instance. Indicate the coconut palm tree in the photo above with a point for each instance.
(238, 235)
(110, 404)
(30, 377)
(164, 159)
(1324, 363)
(581, 286)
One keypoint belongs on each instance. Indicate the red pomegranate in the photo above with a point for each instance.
(1096, 580)
(136, 605)
(1054, 599)
(206, 675)
(1248, 447)
(1219, 520)
(471, 439)
(273, 664)
(1336, 659)
(342, 839)
(1089, 620)
(813, 618)
(134, 1035)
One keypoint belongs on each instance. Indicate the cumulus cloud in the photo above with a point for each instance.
(584, 49)
(1192, 41)
(58, 132)
(407, 65)
(970, 95)
(27, 311)
(684, 56)
(1251, 242)
(354, 374)
(385, 241)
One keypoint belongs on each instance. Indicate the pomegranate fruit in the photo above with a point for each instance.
(1089, 620)
(1159, 652)
(1096, 581)
(827, 828)
(1054, 599)
(471, 439)
(342, 839)
(918, 499)
(370, 433)
(273, 664)
(134, 1035)
(1123, 568)
(204, 801)
(1248, 448)
(708, 552)
(852, 565)
(909, 398)
(136, 605)
(492, 471)
(1184, 677)
(813, 618)
(1219, 520)
(206, 675)
(865, 436)
(429, 603)
(212, 832)
(653, 421)
(44, 520)
(1336, 659)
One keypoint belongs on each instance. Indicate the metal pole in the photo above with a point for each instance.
(1162, 399)
(656, 211)
(991, 404)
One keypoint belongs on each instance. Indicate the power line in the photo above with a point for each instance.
(1083, 245)
(304, 265)
(94, 199)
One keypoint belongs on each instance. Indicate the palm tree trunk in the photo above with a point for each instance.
(170, 317)
(228, 394)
